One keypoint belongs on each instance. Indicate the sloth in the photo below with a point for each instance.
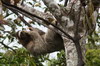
(38, 42)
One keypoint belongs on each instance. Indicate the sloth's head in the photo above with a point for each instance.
(24, 37)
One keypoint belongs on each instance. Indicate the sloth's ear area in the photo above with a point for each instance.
(22, 35)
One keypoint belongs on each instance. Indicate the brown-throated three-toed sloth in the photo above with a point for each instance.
(37, 42)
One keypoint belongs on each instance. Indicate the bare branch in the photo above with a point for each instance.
(12, 7)
(36, 12)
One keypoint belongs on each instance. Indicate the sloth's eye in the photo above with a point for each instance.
(24, 35)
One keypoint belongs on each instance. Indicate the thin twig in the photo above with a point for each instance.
(21, 18)
(71, 8)
(7, 46)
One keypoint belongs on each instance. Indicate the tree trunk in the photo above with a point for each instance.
(70, 52)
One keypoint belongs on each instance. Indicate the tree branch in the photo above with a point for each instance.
(79, 52)
(77, 21)
(43, 15)
(12, 7)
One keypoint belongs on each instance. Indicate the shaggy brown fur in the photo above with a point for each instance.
(38, 42)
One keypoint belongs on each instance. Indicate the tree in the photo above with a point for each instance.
(76, 19)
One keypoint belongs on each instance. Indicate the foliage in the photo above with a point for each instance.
(93, 47)
(20, 58)
(93, 40)
(60, 61)
(24, 58)
(93, 57)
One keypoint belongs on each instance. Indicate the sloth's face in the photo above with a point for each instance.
(23, 37)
